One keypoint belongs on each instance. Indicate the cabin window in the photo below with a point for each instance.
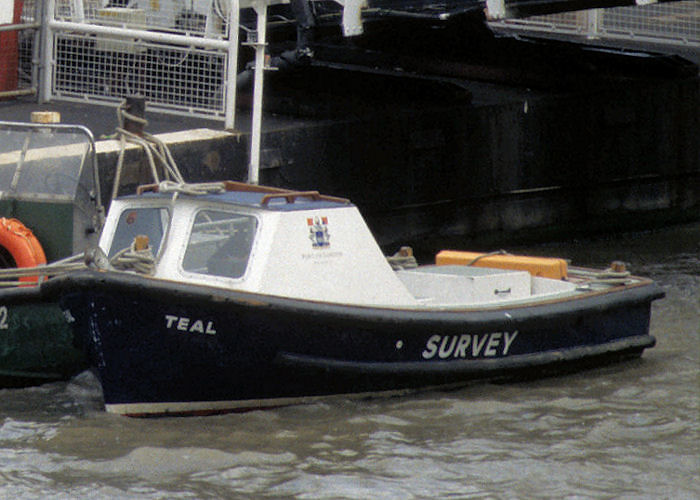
(151, 222)
(220, 244)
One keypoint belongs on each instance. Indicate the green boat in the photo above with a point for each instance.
(50, 210)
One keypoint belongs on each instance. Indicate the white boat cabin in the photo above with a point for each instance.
(298, 245)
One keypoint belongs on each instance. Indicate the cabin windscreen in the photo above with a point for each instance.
(43, 162)
(151, 222)
(220, 244)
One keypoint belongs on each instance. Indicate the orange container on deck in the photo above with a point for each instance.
(545, 267)
(10, 13)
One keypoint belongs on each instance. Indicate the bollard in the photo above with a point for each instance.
(134, 113)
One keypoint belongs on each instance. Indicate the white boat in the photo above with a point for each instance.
(228, 296)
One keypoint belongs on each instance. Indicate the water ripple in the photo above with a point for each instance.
(626, 431)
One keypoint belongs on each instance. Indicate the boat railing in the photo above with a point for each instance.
(270, 193)
(208, 187)
(47, 159)
(291, 197)
(181, 188)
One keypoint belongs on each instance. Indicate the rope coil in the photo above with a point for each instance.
(133, 258)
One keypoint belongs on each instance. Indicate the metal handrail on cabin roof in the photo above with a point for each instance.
(291, 196)
(269, 192)
(224, 185)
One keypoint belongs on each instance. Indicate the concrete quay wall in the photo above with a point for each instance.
(512, 164)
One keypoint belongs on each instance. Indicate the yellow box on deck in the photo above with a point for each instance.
(545, 267)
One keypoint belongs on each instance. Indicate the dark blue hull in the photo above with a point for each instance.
(170, 348)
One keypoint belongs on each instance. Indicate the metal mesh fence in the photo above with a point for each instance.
(673, 23)
(569, 22)
(180, 79)
(190, 17)
(188, 79)
(677, 22)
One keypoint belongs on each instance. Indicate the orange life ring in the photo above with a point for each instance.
(25, 249)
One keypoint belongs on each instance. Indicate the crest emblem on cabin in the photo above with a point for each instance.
(318, 232)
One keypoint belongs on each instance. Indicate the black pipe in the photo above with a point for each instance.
(306, 24)
(302, 54)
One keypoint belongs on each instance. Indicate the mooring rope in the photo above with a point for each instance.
(129, 259)
(484, 255)
(154, 148)
(133, 258)
(10, 277)
(403, 259)
(609, 276)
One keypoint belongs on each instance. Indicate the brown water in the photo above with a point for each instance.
(623, 431)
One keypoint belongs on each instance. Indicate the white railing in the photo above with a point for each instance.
(182, 61)
(676, 24)
(182, 55)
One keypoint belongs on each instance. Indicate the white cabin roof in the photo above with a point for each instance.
(309, 249)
